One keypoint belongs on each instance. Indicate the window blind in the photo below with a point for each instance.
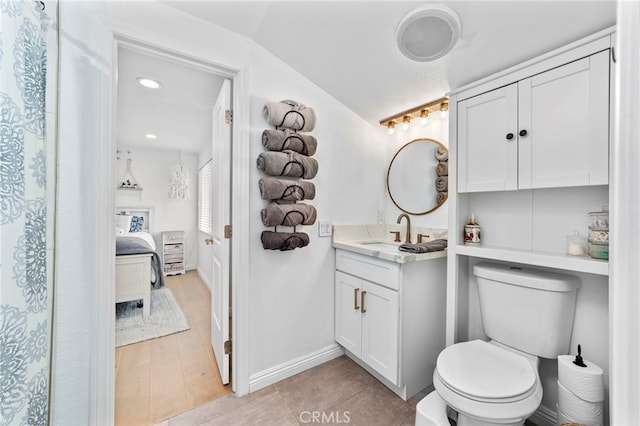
(205, 201)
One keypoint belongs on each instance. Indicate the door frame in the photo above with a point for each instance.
(102, 404)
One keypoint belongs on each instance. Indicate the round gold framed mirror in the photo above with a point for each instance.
(417, 178)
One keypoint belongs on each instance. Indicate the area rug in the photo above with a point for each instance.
(165, 318)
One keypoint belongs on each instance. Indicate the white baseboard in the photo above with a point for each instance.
(204, 279)
(544, 417)
(280, 372)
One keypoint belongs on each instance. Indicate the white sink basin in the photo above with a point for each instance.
(381, 245)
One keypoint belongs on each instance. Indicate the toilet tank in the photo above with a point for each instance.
(527, 309)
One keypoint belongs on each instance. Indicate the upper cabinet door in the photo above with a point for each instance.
(488, 141)
(563, 129)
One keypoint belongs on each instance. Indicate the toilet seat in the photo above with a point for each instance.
(484, 372)
(487, 381)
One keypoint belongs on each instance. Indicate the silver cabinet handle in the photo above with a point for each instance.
(355, 298)
(362, 309)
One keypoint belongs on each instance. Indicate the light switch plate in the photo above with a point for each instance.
(324, 229)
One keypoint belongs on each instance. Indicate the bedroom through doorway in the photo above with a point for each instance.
(166, 134)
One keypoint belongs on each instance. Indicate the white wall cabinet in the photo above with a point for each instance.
(547, 130)
(390, 317)
(173, 252)
(530, 192)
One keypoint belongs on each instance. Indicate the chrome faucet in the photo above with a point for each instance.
(408, 235)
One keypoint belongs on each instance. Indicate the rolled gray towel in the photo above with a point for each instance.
(280, 140)
(287, 163)
(286, 190)
(442, 154)
(442, 169)
(441, 197)
(283, 240)
(288, 214)
(442, 183)
(429, 246)
(290, 114)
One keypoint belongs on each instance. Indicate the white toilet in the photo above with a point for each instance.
(527, 314)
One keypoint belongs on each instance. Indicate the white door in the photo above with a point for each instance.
(348, 317)
(565, 112)
(488, 141)
(380, 325)
(221, 196)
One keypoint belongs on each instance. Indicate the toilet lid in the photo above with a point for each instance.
(484, 371)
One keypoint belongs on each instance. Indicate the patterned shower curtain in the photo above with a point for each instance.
(25, 252)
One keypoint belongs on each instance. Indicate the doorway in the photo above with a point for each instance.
(182, 134)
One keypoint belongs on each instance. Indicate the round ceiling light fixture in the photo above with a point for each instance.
(428, 32)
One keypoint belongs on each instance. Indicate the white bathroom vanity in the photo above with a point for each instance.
(389, 306)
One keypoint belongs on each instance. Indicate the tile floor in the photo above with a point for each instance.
(336, 392)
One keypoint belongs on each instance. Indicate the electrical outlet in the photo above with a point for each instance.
(324, 229)
(380, 216)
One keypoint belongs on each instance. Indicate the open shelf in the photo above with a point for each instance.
(546, 259)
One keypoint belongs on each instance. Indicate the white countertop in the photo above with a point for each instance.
(363, 238)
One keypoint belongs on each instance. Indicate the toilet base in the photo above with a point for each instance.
(432, 411)
(472, 421)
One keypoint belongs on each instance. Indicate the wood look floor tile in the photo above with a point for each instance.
(324, 386)
(376, 405)
(160, 378)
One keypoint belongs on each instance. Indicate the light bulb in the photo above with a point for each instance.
(406, 123)
(444, 109)
(423, 117)
(391, 127)
(147, 82)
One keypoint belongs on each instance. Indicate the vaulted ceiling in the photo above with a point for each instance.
(349, 48)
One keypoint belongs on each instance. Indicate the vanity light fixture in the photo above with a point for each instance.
(150, 136)
(420, 112)
(148, 82)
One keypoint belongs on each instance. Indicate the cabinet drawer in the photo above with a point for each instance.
(173, 248)
(371, 269)
(169, 258)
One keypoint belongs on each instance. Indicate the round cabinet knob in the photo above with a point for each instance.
(523, 132)
(509, 136)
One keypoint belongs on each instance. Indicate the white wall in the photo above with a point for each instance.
(151, 169)
(291, 293)
(437, 128)
(82, 266)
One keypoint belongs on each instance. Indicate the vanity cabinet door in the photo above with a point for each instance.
(488, 141)
(380, 325)
(565, 114)
(348, 317)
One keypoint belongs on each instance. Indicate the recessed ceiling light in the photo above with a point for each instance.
(147, 82)
(150, 136)
(428, 32)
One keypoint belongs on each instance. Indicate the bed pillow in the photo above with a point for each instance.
(136, 224)
(122, 224)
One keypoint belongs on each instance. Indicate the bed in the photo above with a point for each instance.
(138, 265)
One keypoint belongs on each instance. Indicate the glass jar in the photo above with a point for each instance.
(599, 234)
